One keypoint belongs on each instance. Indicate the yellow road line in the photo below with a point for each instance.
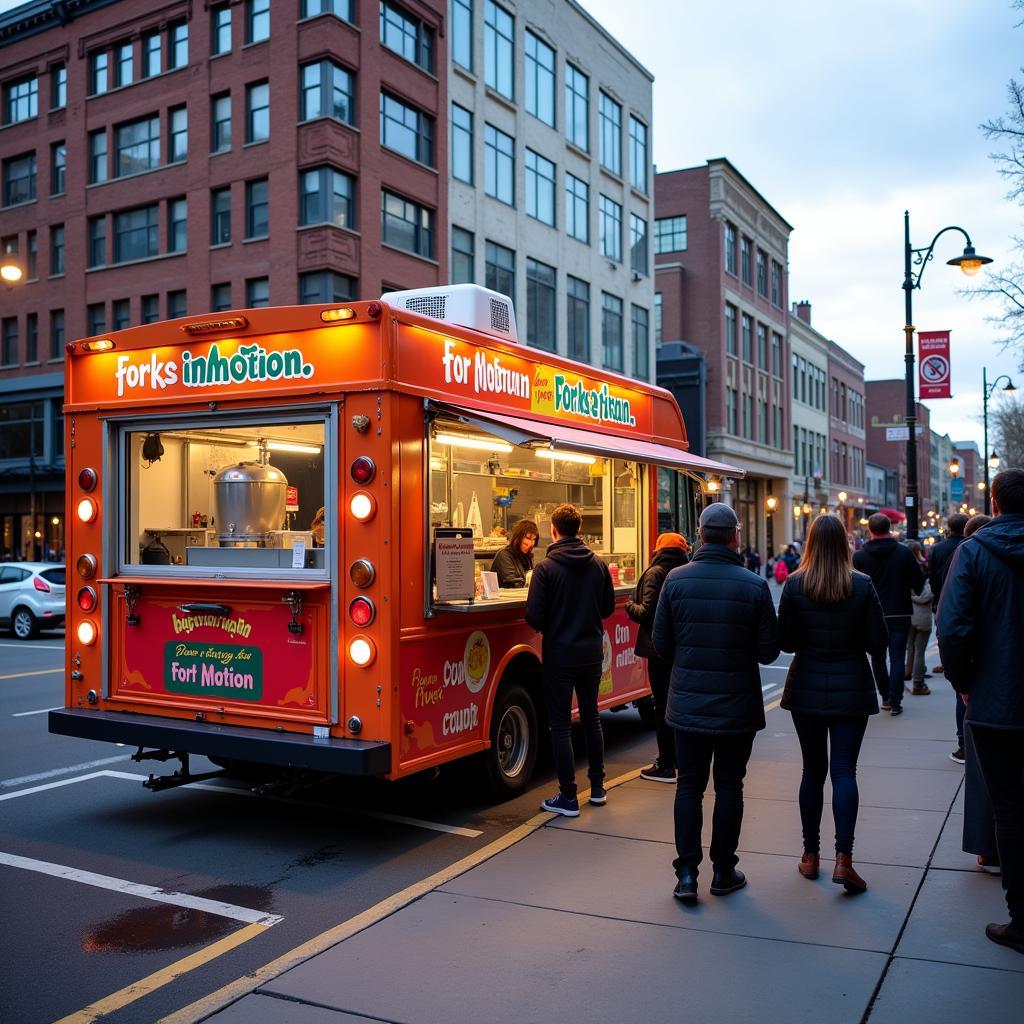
(774, 704)
(235, 990)
(37, 672)
(138, 989)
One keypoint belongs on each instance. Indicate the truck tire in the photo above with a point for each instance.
(24, 625)
(511, 758)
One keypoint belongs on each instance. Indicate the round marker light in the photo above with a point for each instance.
(87, 479)
(361, 651)
(362, 611)
(86, 632)
(362, 506)
(86, 566)
(362, 573)
(363, 470)
(87, 599)
(87, 510)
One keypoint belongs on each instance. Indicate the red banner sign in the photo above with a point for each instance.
(933, 364)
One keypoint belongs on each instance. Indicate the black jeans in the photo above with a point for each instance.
(816, 734)
(890, 681)
(659, 672)
(695, 753)
(961, 710)
(1000, 755)
(559, 684)
(979, 819)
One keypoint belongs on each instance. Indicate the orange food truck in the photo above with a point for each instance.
(283, 520)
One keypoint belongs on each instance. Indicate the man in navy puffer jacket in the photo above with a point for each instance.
(715, 622)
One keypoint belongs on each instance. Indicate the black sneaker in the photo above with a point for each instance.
(559, 804)
(896, 709)
(958, 755)
(598, 795)
(657, 773)
(725, 882)
(886, 706)
(686, 887)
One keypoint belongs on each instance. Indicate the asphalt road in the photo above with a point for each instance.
(303, 864)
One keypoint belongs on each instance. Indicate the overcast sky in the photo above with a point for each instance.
(842, 116)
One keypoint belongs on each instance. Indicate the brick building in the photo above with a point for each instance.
(972, 473)
(173, 159)
(886, 404)
(846, 434)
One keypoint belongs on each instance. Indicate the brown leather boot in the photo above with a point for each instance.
(845, 876)
(809, 864)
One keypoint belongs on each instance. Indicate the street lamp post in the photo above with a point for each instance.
(970, 263)
(991, 461)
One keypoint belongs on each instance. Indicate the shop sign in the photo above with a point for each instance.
(213, 670)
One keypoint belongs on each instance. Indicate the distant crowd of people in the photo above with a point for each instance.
(857, 624)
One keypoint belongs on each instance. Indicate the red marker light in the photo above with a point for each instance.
(363, 470)
(361, 611)
(87, 479)
(87, 599)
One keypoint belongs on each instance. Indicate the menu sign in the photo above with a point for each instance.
(453, 564)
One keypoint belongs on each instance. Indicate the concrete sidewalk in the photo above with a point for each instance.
(577, 921)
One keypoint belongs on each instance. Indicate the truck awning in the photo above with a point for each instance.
(530, 433)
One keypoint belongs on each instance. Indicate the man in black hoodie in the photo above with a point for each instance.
(896, 575)
(982, 646)
(570, 593)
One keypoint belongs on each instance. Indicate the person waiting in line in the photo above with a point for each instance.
(515, 559)
(831, 619)
(920, 628)
(670, 551)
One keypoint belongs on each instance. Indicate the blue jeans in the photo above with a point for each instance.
(890, 680)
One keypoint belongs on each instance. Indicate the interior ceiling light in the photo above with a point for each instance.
(550, 453)
(485, 444)
(291, 446)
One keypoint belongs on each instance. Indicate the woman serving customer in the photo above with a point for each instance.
(515, 560)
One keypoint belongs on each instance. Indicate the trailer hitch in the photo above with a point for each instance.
(181, 777)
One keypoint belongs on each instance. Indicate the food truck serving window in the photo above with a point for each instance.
(243, 497)
(483, 485)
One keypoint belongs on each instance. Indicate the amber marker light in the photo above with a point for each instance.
(362, 651)
(330, 316)
(87, 510)
(86, 632)
(362, 506)
(102, 345)
(86, 566)
(362, 573)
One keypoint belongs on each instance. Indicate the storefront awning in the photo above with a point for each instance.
(529, 433)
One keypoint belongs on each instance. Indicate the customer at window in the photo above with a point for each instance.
(515, 559)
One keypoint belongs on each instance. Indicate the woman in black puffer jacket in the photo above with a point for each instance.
(670, 551)
(831, 618)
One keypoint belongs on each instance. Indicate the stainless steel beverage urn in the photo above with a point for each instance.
(249, 498)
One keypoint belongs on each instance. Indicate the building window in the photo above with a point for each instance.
(96, 318)
(9, 356)
(257, 20)
(746, 260)
(540, 305)
(730, 329)
(178, 143)
(762, 421)
(730, 247)
(150, 309)
(657, 318)
(407, 225)
(339, 8)
(32, 257)
(499, 165)
(641, 343)
(152, 55)
(406, 130)
(58, 86)
(328, 90)
(177, 225)
(124, 64)
(136, 146)
(540, 188)
(136, 234)
(177, 56)
(776, 283)
(499, 49)
(177, 304)
(577, 208)
(577, 310)
(610, 225)
(99, 66)
(748, 417)
(540, 79)
(326, 196)
(58, 168)
(638, 155)
(257, 107)
(21, 100)
(777, 356)
(120, 314)
(323, 286)
(463, 269)
(637, 245)
(220, 29)
(19, 179)
(611, 332)
(220, 123)
(97, 156)
(257, 211)
(462, 33)
(500, 269)
(257, 292)
(670, 234)
(730, 410)
(762, 347)
(31, 337)
(462, 144)
(747, 333)
(220, 297)
(56, 250)
(220, 216)
(406, 35)
(577, 107)
(762, 273)
(57, 335)
(609, 119)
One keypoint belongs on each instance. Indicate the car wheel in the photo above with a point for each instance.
(24, 624)
(514, 739)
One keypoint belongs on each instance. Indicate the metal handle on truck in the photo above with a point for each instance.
(199, 608)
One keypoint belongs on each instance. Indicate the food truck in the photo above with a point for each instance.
(283, 520)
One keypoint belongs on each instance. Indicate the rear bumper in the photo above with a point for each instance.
(297, 750)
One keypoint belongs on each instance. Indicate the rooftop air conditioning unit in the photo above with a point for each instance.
(464, 305)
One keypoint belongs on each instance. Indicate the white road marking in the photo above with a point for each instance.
(33, 647)
(41, 711)
(146, 892)
(35, 672)
(8, 783)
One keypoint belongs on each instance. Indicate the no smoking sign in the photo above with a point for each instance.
(934, 366)
(935, 369)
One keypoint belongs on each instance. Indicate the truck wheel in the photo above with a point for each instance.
(645, 708)
(24, 624)
(513, 754)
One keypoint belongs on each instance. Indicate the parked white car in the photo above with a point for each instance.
(31, 597)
